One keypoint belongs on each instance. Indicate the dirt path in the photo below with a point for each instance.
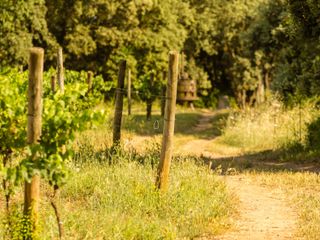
(263, 213)
(198, 146)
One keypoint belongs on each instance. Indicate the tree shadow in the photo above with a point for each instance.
(265, 161)
(185, 124)
(139, 125)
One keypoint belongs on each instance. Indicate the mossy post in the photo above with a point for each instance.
(60, 74)
(119, 104)
(169, 119)
(129, 92)
(53, 83)
(150, 99)
(32, 189)
(89, 81)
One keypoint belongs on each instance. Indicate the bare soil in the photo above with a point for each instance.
(264, 213)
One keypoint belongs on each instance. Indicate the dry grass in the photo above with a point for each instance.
(271, 126)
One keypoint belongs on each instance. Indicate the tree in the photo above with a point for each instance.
(22, 25)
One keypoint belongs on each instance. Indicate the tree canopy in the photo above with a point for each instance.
(244, 48)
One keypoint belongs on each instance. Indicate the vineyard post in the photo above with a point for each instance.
(53, 83)
(32, 189)
(129, 92)
(149, 100)
(119, 104)
(89, 81)
(169, 119)
(60, 70)
(163, 93)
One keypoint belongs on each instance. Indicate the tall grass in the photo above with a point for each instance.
(270, 126)
(111, 195)
(120, 202)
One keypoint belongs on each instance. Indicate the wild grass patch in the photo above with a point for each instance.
(271, 126)
(120, 202)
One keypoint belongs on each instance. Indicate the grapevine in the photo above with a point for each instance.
(63, 116)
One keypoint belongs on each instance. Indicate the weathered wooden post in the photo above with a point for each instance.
(163, 94)
(163, 100)
(60, 74)
(89, 81)
(150, 99)
(119, 104)
(32, 189)
(169, 119)
(129, 92)
(53, 83)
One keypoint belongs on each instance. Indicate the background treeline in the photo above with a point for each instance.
(244, 48)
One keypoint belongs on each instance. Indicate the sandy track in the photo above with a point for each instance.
(263, 212)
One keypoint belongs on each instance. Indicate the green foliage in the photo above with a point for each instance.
(149, 89)
(63, 116)
(12, 84)
(18, 226)
(22, 25)
(243, 48)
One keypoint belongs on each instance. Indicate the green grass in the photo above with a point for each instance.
(138, 124)
(120, 202)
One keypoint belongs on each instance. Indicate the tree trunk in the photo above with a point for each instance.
(119, 104)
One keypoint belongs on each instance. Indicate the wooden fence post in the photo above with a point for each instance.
(119, 104)
(53, 83)
(163, 94)
(129, 92)
(60, 74)
(89, 81)
(169, 119)
(150, 100)
(32, 189)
